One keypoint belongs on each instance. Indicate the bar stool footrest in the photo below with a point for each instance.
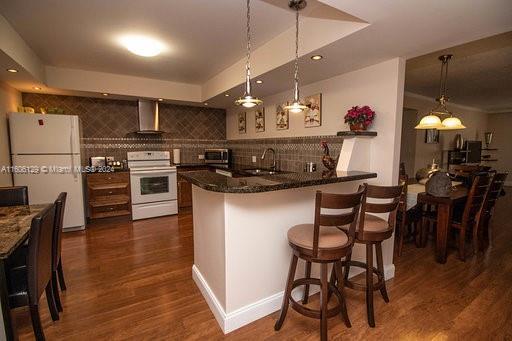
(362, 287)
(314, 313)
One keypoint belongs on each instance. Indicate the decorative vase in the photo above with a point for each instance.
(358, 126)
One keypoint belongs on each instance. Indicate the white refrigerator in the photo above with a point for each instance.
(49, 146)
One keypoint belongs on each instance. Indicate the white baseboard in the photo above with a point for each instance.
(256, 310)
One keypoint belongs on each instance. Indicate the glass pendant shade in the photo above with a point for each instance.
(248, 101)
(296, 107)
(452, 123)
(429, 122)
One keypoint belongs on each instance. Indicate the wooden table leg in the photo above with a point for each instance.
(444, 218)
(8, 331)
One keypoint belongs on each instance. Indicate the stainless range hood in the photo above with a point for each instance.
(148, 118)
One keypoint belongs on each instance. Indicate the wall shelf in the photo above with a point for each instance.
(350, 133)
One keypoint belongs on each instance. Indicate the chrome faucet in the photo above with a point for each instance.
(273, 167)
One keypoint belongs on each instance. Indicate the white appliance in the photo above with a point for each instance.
(49, 145)
(153, 184)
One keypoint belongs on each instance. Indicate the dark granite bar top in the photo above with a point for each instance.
(15, 224)
(212, 181)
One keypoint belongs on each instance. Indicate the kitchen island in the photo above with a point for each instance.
(241, 252)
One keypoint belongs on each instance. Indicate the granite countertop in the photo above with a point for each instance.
(215, 182)
(15, 224)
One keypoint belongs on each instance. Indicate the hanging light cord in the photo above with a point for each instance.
(296, 73)
(248, 62)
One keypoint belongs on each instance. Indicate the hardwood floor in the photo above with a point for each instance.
(133, 281)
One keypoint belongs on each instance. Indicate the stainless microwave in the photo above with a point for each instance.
(219, 156)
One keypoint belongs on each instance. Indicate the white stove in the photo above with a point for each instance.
(153, 184)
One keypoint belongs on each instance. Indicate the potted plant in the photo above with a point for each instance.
(359, 118)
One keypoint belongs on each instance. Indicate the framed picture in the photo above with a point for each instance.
(431, 136)
(242, 123)
(259, 118)
(282, 119)
(313, 113)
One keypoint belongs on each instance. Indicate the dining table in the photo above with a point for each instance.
(416, 194)
(15, 223)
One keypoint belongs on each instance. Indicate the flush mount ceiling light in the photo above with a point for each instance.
(227, 95)
(12, 70)
(259, 81)
(247, 100)
(433, 120)
(142, 45)
(205, 103)
(296, 106)
(317, 57)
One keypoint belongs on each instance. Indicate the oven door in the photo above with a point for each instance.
(153, 185)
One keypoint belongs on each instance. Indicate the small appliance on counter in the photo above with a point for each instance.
(217, 156)
(116, 165)
(97, 161)
(309, 167)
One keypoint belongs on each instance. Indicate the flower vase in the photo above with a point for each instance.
(358, 126)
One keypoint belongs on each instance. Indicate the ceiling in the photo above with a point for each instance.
(203, 36)
(206, 42)
(479, 75)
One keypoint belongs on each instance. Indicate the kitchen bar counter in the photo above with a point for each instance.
(215, 182)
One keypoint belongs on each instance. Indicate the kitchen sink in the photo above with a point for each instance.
(260, 171)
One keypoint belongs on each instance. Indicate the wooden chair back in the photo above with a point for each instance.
(495, 188)
(476, 198)
(60, 206)
(39, 258)
(350, 203)
(394, 194)
(13, 196)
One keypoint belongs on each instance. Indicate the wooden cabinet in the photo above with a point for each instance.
(184, 193)
(185, 187)
(108, 194)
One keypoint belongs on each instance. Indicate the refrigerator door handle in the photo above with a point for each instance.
(71, 142)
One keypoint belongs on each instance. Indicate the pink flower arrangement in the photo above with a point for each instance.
(360, 115)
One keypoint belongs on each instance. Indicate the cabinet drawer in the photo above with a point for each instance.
(114, 190)
(106, 178)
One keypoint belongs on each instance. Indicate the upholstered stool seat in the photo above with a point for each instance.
(329, 237)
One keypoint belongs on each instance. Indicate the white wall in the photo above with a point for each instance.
(501, 125)
(474, 120)
(10, 98)
(371, 85)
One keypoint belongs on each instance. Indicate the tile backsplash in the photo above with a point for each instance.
(108, 128)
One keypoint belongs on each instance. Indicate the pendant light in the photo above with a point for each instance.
(432, 120)
(247, 100)
(296, 106)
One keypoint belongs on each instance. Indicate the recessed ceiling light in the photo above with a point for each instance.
(36, 88)
(142, 45)
(104, 94)
(317, 57)
(205, 103)
(160, 99)
(259, 81)
(12, 70)
(227, 95)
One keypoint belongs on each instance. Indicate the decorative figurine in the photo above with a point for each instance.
(327, 160)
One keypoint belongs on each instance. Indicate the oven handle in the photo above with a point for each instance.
(165, 172)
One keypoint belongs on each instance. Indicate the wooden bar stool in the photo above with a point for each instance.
(372, 231)
(324, 243)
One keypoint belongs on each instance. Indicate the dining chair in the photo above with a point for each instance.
(13, 196)
(468, 219)
(495, 190)
(323, 243)
(57, 272)
(372, 231)
(407, 217)
(26, 283)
